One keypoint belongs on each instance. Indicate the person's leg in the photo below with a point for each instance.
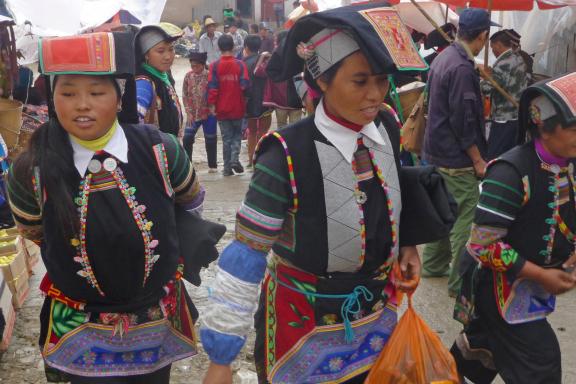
(252, 140)
(227, 131)
(520, 353)
(161, 376)
(189, 137)
(263, 126)
(281, 117)
(96, 380)
(464, 189)
(235, 145)
(436, 258)
(294, 115)
(211, 141)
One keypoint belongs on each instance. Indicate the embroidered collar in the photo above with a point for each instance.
(548, 158)
(342, 137)
(117, 147)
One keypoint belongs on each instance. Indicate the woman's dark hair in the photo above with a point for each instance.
(225, 43)
(326, 77)
(503, 38)
(254, 28)
(50, 150)
(469, 36)
(548, 126)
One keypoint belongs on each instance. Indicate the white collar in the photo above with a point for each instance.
(343, 138)
(117, 147)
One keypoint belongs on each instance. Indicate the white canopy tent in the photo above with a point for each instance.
(548, 34)
(36, 18)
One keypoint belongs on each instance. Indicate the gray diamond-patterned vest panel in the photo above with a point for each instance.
(342, 209)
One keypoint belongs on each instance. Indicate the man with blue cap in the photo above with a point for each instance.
(454, 139)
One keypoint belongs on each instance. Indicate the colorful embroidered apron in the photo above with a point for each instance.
(304, 325)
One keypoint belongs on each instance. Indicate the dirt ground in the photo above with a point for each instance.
(22, 362)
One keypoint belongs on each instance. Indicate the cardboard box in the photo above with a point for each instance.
(31, 252)
(8, 313)
(21, 294)
(16, 273)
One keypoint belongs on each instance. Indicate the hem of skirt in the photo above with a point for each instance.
(122, 373)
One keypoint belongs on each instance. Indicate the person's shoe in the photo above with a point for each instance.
(212, 170)
(227, 172)
(238, 168)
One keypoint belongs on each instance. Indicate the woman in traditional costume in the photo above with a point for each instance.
(158, 102)
(324, 204)
(521, 250)
(100, 194)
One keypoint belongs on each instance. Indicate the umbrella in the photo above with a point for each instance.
(414, 18)
(509, 5)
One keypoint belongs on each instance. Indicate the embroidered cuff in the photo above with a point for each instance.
(498, 256)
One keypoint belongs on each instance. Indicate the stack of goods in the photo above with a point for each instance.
(29, 249)
(15, 258)
(33, 116)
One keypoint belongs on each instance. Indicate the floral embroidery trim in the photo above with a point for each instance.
(393, 223)
(290, 167)
(556, 221)
(162, 162)
(80, 244)
(144, 225)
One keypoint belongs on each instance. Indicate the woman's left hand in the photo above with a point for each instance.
(409, 262)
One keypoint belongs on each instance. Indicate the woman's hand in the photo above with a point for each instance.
(554, 281)
(218, 374)
(557, 281)
(409, 262)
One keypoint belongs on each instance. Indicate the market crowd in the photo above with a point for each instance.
(327, 233)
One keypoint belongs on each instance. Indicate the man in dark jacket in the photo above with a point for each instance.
(454, 139)
(259, 117)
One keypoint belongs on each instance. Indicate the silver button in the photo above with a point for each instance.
(110, 164)
(94, 166)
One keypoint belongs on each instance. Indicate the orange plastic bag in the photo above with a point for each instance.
(414, 354)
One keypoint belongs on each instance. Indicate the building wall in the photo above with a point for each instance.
(182, 12)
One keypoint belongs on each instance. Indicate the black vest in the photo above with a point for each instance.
(526, 234)
(304, 238)
(114, 242)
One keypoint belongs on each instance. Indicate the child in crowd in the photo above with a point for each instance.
(259, 117)
(194, 91)
(227, 81)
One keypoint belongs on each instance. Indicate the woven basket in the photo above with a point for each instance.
(10, 121)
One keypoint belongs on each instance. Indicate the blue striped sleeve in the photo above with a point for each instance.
(144, 96)
(233, 299)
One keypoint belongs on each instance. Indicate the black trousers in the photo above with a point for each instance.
(502, 138)
(521, 353)
(161, 376)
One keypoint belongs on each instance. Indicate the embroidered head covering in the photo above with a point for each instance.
(328, 47)
(547, 99)
(92, 54)
(375, 29)
(151, 35)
